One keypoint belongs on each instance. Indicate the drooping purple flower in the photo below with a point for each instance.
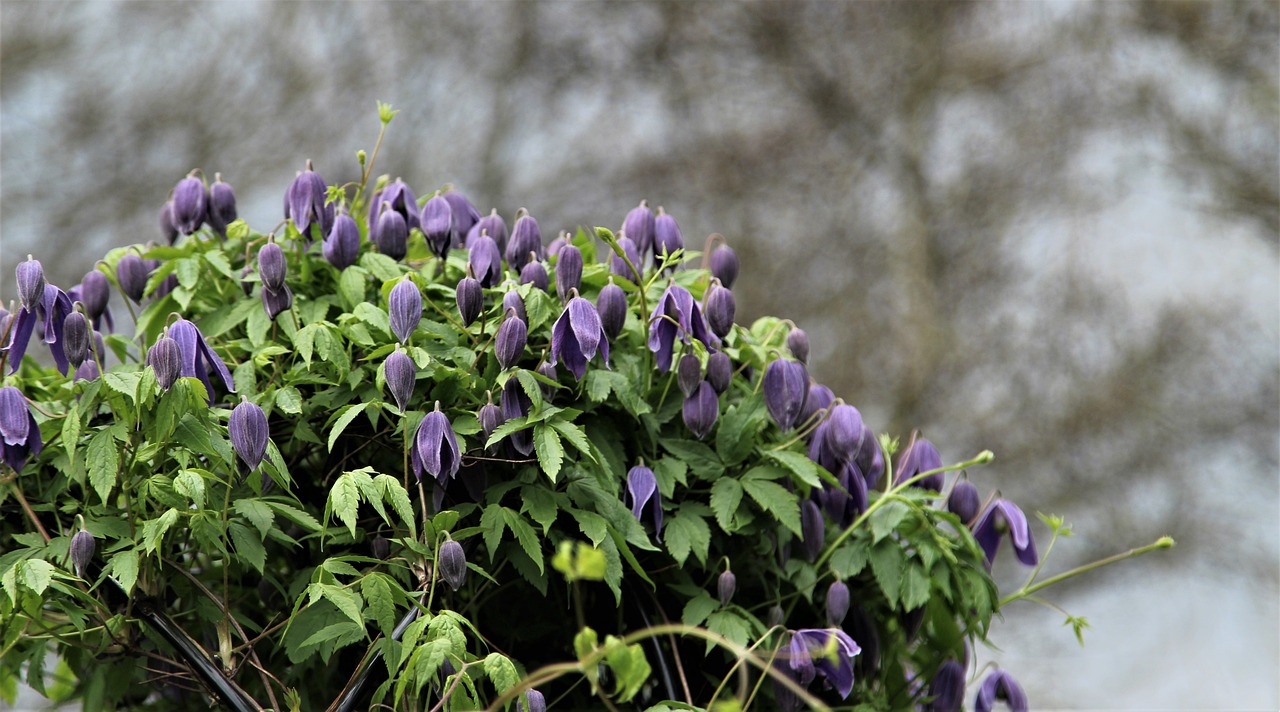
(639, 226)
(401, 199)
(404, 308)
(18, 429)
(532, 701)
(513, 301)
(964, 501)
(465, 216)
(688, 374)
(198, 359)
(870, 458)
(724, 265)
(342, 246)
(1003, 516)
(726, 586)
(438, 225)
(392, 233)
(452, 564)
(568, 271)
(485, 259)
(82, 547)
(526, 237)
(677, 314)
(618, 265)
(75, 333)
(167, 229)
(667, 238)
(947, 688)
(535, 273)
(786, 387)
(854, 497)
(222, 206)
(435, 450)
(510, 341)
(131, 273)
(798, 343)
(88, 371)
(304, 203)
(516, 404)
(611, 304)
(95, 292)
(920, 456)
(490, 417)
(701, 410)
(814, 529)
(843, 435)
(493, 226)
(470, 297)
(719, 371)
(721, 307)
(30, 274)
(577, 335)
(557, 244)
(272, 267)
(642, 493)
(165, 358)
(819, 397)
(1000, 685)
(828, 652)
(276, 303)
(247, 427)
(548, 370)
(51, 309)
(189, 205)
(400, 373)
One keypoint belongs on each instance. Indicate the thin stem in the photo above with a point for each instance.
(1163, 542)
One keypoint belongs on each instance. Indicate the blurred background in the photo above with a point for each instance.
(1049, 229)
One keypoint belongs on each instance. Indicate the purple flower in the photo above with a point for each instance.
(18, 429)
(701, 410)
(493, 226)
(947, 688)
(720, 309)
(666, 234)
(404, 308)
(688, 374)
(611, 304)
(920, 456)
(870, 458)
(165, 358)
(189, 205)
(548, 371)
(304, 203)
(222, 205)
(525, 238)
(577, 335)
(516, 404)
(726, 586)
(438, 225)
(75, 334)
(837, 603)
(247, 427)
(1000, 685)
(510, 340)
(400, 373)
(535, 273)
(52, 308)
(276, 303)
(435, 450)
(642, 492)
(532, 701)
(165, 220)
(513, 301)
(131, 273)
(198, 359)
(827, 652)
(465, 216)
(391, 233)
(639, 226)
(82, 546)
(485, 260)
(30, 274)
(95, 292)
(843, 434)
(342, 245)
(786, 387)
(1000, 517)
(618, 265)
(452, 564)
(470, 298)
(964, 501)
(401, 199)
(88, 371)
(490, 417)
(677, 313)
(814, 529)
(272, 267)
(819, 397)
(557, 244)
(568, 271)
(798, 343)
(719, 371)
(724, 265)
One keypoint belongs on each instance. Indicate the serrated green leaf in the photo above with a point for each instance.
(915, 586)
(258, 514)
(295, 515)
(698, 608)
(540, 504)
(736, 435)
(289, 400)
(347, 414)
(393, 493)
(153, 529)
(801, 466)
(849, 560)
(71, 434)
(492, 524)
(104, 463)
(885, 519)
(886, 565)
(124, 383)
(776, 500)
(687, 533)
(344, 501)
(344, 600)
(248, 545)
(702, 461)
(190, 484)
(124, 566)
(524, 535)
(591, 524)
(36, 575)
(377, 594)
(726, 495)
(576, 437)
(351, 286)
(730, 625)
(546, 442)
(501, 672)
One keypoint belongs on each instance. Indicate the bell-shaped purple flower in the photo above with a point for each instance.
(222, 206)
(1000, 517)
(535, 273)
(516, 404)
(31, 283)
(946, 690)
(618, 265)
(548, 370)
(920, 456)
(512, 301)
(819, 397)
(721, 307)
(828, 652)
(786, 386)
(568, 271)
(526, 238)
(677, 314)
(304, 203)
(400, 372)
(404, 308)
(837, 603)
(189, 205)
(165, 358)
(435, 451)
(52, 310)
(391, 234)
(870, 458)
(165, 220)
(198, 359)
(667, 238)
(642, 493)
(689, 374)
(452, 564)
(964, 501)
(557, 244)
(401, 199)
(18, 429)
(724, 265)
(1000, 685)
(342, 246)
(509, 343)
(276, 303)
(75, 334)
(470, 297)
(95, 292)
(611, 304)
(701, 410)
(88, 371)
(249, 434)
(726, 586)
(639, 226)
(493, 226)
(438, 225)
(132, 273)
(485, 260)
(82, 547)
(465, 216)
(490, 417)
(813, 528)
(798, 343)
(843, 435)
(577, 335)
(532, 701)
(272, 267)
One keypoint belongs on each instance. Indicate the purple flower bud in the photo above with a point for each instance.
(189, 205)
(870, 458)
(724, 265)
(689, 374)
(568, 271)
(516, 404)
(701, 410)
(798, 343)
(726, 584)
(248, 429)
(576, 337)
(485, 260)
(666, 234)
(642, 493)
(1003, 516)
(470, 296)
(786, 386)
(276, 303)
(131, 273)
(776, 616)
(452, 564)
(920, 456)
(513, 300)
(222, 205)
(438, 225)
(401, 199)
(819, 397)
(618, 266)
(844, 432)
(82, 546)
(548, 370)
(404, 308)
(719, 371)
(465, 216)
(167, 229)
(947, 688)
(532, 701)
(813, 528)
(198, 359)
(490, 417)
(88, 371)
(272, 267)
(400, 372)
(837, 603)
(95, 292)
(510, 341)
(435, 450)
(380, 548)
(19, 432)
(535, 273)
(493, 226)
(964, 501)
(720, 309)
(165, 358)
(75, 338)
(392, 233)
(342, 246)
(639, 226)
(557, 244)
(611, 304)
(525, 238)
(31, 283)
(304, 203)
(1000, 685)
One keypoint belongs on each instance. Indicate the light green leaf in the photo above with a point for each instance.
(258, 514)
(124, 383)
(501, 672)
(726, 495)
(289, 400)
(377, 593)
(347, 414)
(802, 467)
(248, 545)
(36, 575)
(576, 437)
(153, 530)
(687, 533)
(344, 501)
(550, 452)
(698, 608)
(104, 463)
(124, 566)
(540, 504)
(915, 587)
(190, 484)
(886, 565)
(776, 500)
(394, 494)
(344, 600)
(525, 535)
(492, 524)
(71, 434)
(885, 519)
(593, 525)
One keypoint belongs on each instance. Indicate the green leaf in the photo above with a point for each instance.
(576, 437)
(36, 575)
(123, 382)
(885, 519)
(346, 414)
(104, 463)
(295, 515)
(394, 494)
(849, 560)
(377, 593)
(71, 434)
(525, 535)
(886, 565)
(501, 672)
(701, 460)
(351, 286)
(492, 524)
(594, 526)
(730, 625)
(736, 436)
(124, 566)
(540, 504)
(153, 529)
(776, 500)
(687, 533)
(698, 608)
(915, 587)
(344, 600)
(190, 484)
(248, 545)
(289, 400)
(726, 495)
(801, 466)
(258, 514)
(344, 501)
(550, 452)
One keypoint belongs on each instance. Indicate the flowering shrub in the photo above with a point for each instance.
(390, 454)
